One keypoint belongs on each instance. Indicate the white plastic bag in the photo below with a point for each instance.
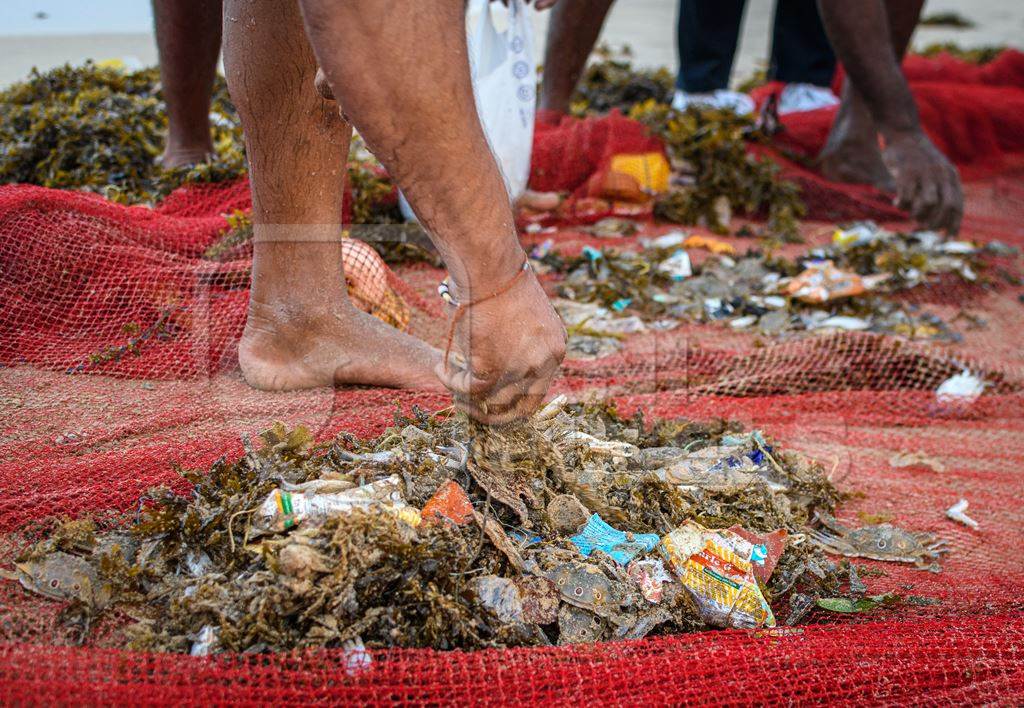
(505, 84)
(505, 87)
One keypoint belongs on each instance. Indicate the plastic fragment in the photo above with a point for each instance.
(711, 244)
(449, 503)
(957, 513)
(962, 388)
(651, 576)
(206, 641)
(822, 281)
(677, 266)
(620, 545)
(768, 549)
(357, 659)
(715, 567)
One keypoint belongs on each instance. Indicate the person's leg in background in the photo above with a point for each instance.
(188, 34)
(572, 32)
(852, 153)
(707, 34)
(801, 57)
(302, 331)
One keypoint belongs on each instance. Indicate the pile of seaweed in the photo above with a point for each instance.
(610, 81)
(465, 536)
(608, 292)
(714, 173)
(102, 129)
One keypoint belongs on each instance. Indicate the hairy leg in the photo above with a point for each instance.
(400, 72)
(188, 41)
(573, 30)
(851, 153)
(302, 331)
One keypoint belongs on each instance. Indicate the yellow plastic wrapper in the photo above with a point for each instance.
(650, 169)
(716, 568)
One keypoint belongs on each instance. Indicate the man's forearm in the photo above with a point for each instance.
(869, 38)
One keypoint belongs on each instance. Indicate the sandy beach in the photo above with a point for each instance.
(47, 33)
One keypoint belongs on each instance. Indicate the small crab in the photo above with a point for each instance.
(586, 587)
(883, 542)
(62, 576)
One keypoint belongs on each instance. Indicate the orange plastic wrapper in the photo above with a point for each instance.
(617, 186)
(712, 244)
(449, 503)
(822, 282)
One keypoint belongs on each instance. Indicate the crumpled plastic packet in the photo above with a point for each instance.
(822, 282)
(716, 568)
(283, 510)
(597, 535)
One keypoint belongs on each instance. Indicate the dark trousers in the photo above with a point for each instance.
(709, 31)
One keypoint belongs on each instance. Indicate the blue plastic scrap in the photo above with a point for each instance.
(597, 535)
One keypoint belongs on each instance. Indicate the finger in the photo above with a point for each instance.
(524, 408)
(927, 208)
(953, 198)
(323, 87)
(461, 381)
(545, 4)
(907, 185)
(508, 396)
(521, 407)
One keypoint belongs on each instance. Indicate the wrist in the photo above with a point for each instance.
(905, 129)
(484, 265)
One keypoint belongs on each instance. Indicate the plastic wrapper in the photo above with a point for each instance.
(773, 544)
(822, 282)
(283, 510)
(716, 568)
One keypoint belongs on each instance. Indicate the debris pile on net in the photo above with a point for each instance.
(576, 526)
(606, 293)
(713, 173)
(102, 129)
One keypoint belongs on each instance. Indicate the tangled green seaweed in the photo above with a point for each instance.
(198, 572)
(101, 129)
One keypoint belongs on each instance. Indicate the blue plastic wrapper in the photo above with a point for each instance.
(599, 536)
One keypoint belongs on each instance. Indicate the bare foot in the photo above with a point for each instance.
(173, 158)
(286, 351)
(856, 162)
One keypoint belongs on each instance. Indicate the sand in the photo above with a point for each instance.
(73, 31)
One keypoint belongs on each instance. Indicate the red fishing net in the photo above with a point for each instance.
(118, 351)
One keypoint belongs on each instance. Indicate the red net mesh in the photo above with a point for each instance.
(118, 352)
